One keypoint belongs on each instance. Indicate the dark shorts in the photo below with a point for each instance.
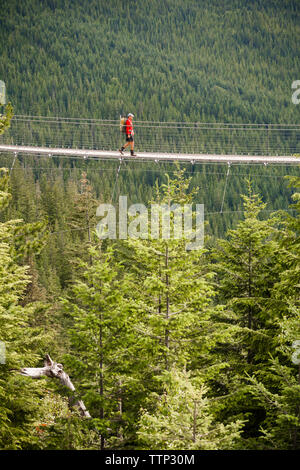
(129, 138)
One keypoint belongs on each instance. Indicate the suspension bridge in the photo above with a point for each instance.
(155, 141)
(198, 142)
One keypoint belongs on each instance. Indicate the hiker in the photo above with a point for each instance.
(129, 136)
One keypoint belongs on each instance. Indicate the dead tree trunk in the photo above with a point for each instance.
(54, 370)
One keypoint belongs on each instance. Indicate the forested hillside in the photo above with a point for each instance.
(176, 60)
(167, 348)
(229, 61)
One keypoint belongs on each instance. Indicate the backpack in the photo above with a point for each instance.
(123, 124)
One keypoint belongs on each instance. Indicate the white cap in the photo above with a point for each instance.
(130, 115)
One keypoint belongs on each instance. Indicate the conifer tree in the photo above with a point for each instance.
(82, 221)
(248, 268)
(6, 118)
(288, 287)
(172, 290)
(181, 418)
(100, 340)
(277, 388)
(20, 341)
(171, 302)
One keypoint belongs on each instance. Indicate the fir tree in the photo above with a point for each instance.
(22, 342)
(100, 340)
(277, 388)
(172, 289)
(6, 118)
(248, 267)
(181, 419)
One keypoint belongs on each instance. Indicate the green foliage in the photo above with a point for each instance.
(169, 349)
(24, 338)
(172, 289)
(100, 339)
(58, 428)
(22, 342)
(181, 419)
(290, 277)
(248, 268)
(281, 428)
(277, 387)
(6, 118)
(170, 61)
(5, 196)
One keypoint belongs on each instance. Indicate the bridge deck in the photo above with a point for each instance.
(148, 156)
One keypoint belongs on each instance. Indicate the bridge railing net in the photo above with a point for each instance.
(208, 138)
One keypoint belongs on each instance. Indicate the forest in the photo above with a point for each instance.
(176, 60)
(167, 348)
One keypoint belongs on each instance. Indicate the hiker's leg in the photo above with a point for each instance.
(124, 146)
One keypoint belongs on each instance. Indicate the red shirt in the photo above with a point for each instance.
(129, 127)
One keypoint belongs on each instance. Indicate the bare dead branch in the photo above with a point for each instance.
(55, 370)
